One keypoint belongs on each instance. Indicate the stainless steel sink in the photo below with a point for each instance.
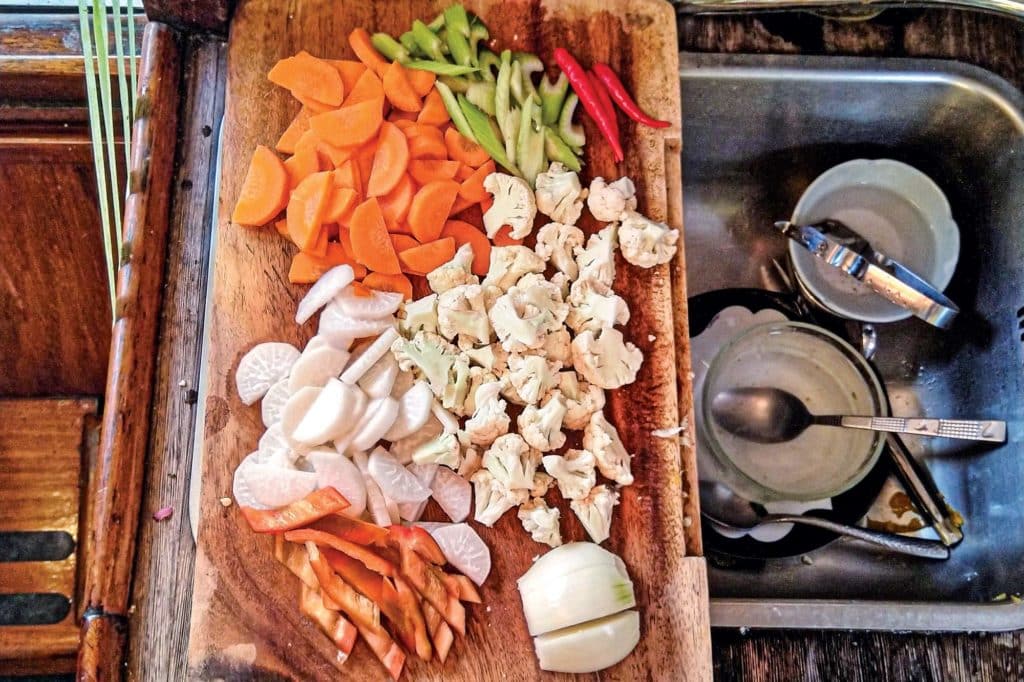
(757, 130)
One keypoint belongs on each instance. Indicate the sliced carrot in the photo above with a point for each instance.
(464, 233)
(389, 161)
(367, 88)
(426, 147)
(299, 125)
(350, 126)
(332, 154)
(503, 238)
(361, 44)
(422, 129)
(349, 70)
(403, 242)
(428, 170)
(306, 207)
(264, 191)
(319, 246)
(307, 268)
(395, 204)
(315, 106)
(485, 204)
(305, 161)
(398, 89)
(371, 244)
(341, 203)
(282, 227)
(378, 281)
(472, 188)
(465, 150)
(345, 240)
(347, 175)
(426, 257)
(464, 172)
(309, 77)
(461, 205)
(397, 115)
(434, 112)
(332, 231)
(364, 160)
(361, 290)
(422, 81)
(430, 208)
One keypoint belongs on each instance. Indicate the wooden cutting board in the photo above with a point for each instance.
(245, 617)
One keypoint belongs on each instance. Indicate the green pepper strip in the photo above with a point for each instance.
(480, 124)
(454, 110)
(441, 68)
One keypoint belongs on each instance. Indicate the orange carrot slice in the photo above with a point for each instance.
(350, 126)
(434, 112)
(403, 242)
(349, 70)
(398, 90)
(461, 205)
(340, 204)
(464, 233)
(306, 268)
(319, 245)
(401, 123)
(345, 240)
(418, 129)
(464, 172)
(333, 156)
(364, 159)
(422, 82)
(503, 238)
(428, 170)
(282, 227)
(472, 188)
(371, 244)
(425, 147)
(367, 88)
(347, 175)
(299, 125)
(465, 150)
(398, 115)
(309, 77)
(305, 161)
(264, 191)
(389, 161)
(314, 106)
(430, 209)
(332, 231)
(426, 257)
(361, 44)
(306, 208)
(378, 281)
(395, 204)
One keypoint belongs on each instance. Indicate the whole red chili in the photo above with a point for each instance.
(618, 92)
(581, 84)
(606, 101)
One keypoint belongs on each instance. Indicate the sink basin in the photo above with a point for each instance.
(757, 130)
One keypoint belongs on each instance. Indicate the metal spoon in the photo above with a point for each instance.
(725, 509)
(771, 415)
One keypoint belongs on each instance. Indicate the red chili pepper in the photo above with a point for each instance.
(581, 84)
(606, 101)
(622, 97)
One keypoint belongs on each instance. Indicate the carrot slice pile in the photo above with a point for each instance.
(264, 190)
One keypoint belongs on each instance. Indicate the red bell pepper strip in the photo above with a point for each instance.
(462, 588)
(622, 97)
(440, 632)
(363, 612)
(341, 632)
(357, 552)
(430, 584)
(353, 530)
(581, 84)
(418, 540)
(606, 101)
(385, 649)
(314, 506)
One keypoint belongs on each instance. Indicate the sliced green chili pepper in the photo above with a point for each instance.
(482, 95)
(456, 20)
(489, 64)
(409, 43)
(389, 47)
(458, 48)
(477, 32)
(441, 68)
(437, 23)
(455, 83)
(552, 96)
(480, 124)
(557, 150)
(530, 143)
(571, 133)
(427, 40)
(529, 64)
(451, 103)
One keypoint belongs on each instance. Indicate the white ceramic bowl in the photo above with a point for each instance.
(899, 210)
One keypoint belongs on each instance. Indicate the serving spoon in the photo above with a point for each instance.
(727, 510)
(771, 415)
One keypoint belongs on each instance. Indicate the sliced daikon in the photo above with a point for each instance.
(414, 409)
(381, 415)
(330, 415)
(453, 493)
(403, 448)
(378, 304)
(338, 472)
(273, 486)
(424, 473)
(274, 447)
(395, 481)
(315, 367)
(318, 342)
(431, 526)
(464, 550)
(240, 486)
(295, 410)
(375, 502)
(263, 366)
(376, 350)
(335, 323)
(320, 294)
(380, 379)
(273, 402)
(591, 646)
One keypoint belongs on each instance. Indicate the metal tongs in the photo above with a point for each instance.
(841, 247)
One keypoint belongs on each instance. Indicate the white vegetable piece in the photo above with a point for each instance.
(581, 400)
(573, 471)
(403, 448)
(464, 550)
(456, 272)
(595, 511)
(508, 264)
(461, 312)
(273, 402)
(380, 510)
(327, 287)
(331, 414)
(444, 450)
(315, 367)
(414, 409)
(420, 315)
(447, 419)
(591, 646)
(514, 205)
(240, 486)
(645, 242)
(518, 325)
(532, 376)
(489, 419)
(274, 486)
(602, 439)
(395, 481)
(429, 355)
(380, 379)
(274, 448)
(606, 359)
(557, 347)
(380, 417)
(541, 428)
(374, 352)
(424, 473)
(263, 366)
(594, 306)
(597, 260)
(295, 411)
(608, 201)
(373, 307)
(572, 584)
(492, 498)
(540, 521)
(560, 194)
(338, 472)
(334, 323)
(453, 493)
(318, 341)
(542, 483)
(512, 462)
(556, 242)
(403, 382)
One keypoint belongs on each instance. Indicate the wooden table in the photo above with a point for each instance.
(162, 586)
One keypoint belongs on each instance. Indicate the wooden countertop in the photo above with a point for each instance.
(163, 573)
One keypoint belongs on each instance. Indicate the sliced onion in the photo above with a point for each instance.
(591, 646)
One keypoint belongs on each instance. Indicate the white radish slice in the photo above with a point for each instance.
(334, 323)
(381, 415)
(327, 287)
(375, 501)
(263, 366)
(295, 410)
(402, 449)
(274, 448)
(431, 526)
(274, 486)
(453, 493)
(369, 357)
(464, 550)
(273, 402)
(380, 379)
(378, 304)
(395, 481)
(330, 414)
(240, 486)
(414, 410)
(321, 341)
(424, 473)
(315, 367)
(340, 473)
(447, 419)
(318, 342)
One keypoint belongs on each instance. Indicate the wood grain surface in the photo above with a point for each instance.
(245, 620)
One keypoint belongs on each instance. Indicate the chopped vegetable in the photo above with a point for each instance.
(590, 99)
(362, 44)
(314, 506)
(309, 77)
(370, 243)
(264, 191)
(390, 160)
(430, 209)
(618, 92)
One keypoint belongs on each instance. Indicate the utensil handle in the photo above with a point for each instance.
(991, 431)
(923, 490)
(924, 549)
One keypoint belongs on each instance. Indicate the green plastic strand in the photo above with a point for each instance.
(132, 55)
(122, 87)
(99, 23)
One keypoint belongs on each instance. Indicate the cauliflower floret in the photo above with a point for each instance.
(582, 399)
(403, 449)
(644, 242)
(489, 420)
(514, 205)
(509, 392)
(608, 201)
(543, 295)
(455, 391)
(492, 498)
(595, 511)
(518, 324)
(429, 355)
(492, 357)
(462, 312)
(593, 305)
(574, 472)
(532, 376)
(444, 449)
(541, 484)
(602, 439)
(563, 282)
(597, 260)
(541, 522)
(470, 463)
(558, 346)
(420, 316)
(508, 264)
(560, 194)
(541, 427)
(456, 272)
(478, 376)
(606, 358)
(512, 461)
(556, 243)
